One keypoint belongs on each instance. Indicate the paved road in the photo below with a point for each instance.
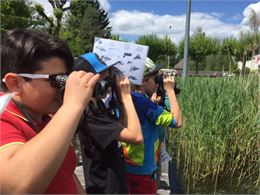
(164, 178)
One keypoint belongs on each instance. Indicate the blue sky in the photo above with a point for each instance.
(133, 18)
(177, 7)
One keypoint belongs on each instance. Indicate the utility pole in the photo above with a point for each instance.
(166, 46)
(187, 38)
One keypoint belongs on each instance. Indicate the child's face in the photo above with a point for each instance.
(149, 84)
(38, 95)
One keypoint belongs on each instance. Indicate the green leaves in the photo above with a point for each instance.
(159, 48)
(57, 12)
(85, 21)
(218, 144)
(15, 13)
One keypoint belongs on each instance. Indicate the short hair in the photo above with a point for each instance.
(22, 51)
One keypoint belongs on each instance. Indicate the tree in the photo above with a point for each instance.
(241, 49)
(245, 48)
(118, 38)
(15, 13)
(153, 41)
(200, 47)
(53, 23)
(254, 22)
(229, 48)
(94, 24)
(159, 48)
(85, 21)
(219, 62)
(169, 54)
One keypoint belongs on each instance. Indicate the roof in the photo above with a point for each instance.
(179, 65)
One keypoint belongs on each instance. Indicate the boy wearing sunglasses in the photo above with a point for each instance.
(36, 155)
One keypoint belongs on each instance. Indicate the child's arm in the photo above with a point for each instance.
(30, 167)
(133, 132)
(169, 82)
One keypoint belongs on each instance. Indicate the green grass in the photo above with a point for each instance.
(217, 148)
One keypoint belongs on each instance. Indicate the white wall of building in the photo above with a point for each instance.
(253, 64)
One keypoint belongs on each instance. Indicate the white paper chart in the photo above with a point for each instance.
(129, 57)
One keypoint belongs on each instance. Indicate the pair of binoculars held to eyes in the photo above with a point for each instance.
(101, 88)
(159, 80)
(89, 62)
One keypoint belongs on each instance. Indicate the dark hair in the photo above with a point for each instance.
(22, 51)
(83, 64)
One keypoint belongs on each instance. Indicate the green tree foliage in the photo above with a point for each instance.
(254, 24)
(247, 43)
(155, 47)
(242, 49)
(74, 42)
(159, 48)
(85, 21)
(169, 52)
(15, 13)
(94, 24)
(219, 62)
(200, 46)
(118, 38)
(52, 24)
(229, 48)
(247, 48)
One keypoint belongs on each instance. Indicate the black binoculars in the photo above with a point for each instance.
(101, 88)
(159, 80)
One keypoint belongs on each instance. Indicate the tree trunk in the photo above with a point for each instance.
(197, 68)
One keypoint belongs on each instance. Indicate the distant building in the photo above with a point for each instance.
(253, 64)
(179, 68)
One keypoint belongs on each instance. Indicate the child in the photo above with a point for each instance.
(36, 155)
(141, 160)
(99, 133)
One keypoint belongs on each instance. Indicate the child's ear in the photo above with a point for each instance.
(13, 82)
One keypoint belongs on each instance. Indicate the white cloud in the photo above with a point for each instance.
(143, 23)
(104, 4)
(249, 11)
(235, 18)
(217, 14)
(46, 5)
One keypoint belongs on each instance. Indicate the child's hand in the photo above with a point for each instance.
(79, 88)
(156, 99)
(168, 82)
(123, 85)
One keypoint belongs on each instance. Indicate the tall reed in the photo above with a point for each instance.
(217, 148)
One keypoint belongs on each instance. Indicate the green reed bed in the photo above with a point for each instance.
(217, 148)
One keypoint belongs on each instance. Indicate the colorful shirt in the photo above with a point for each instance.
(142, 159)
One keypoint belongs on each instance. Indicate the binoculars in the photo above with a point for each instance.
(159, 80)
(100, 89)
